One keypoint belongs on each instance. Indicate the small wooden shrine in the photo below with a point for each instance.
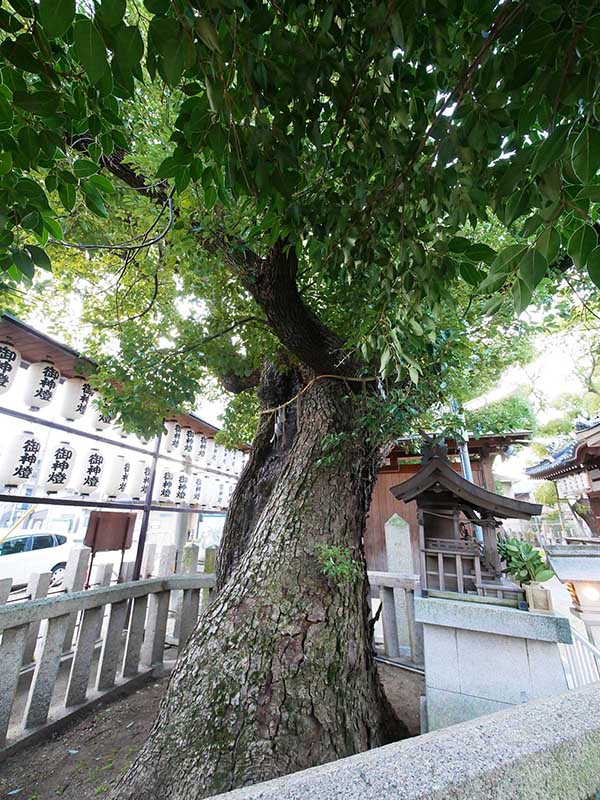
(458, 527)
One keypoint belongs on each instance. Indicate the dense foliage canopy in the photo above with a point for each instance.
(432, 165)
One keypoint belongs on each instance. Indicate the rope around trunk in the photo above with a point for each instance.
(310, 383)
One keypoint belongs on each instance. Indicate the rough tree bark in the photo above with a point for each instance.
(270, 449)
(279, 675)
(583, 509)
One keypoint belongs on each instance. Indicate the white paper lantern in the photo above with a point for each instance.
(164, 486)
(172, 440)
(101, 421)
(209, 452)
(58, 467)
(113, 480)
(19, 459)
(218, 456)
(221, 494)
(89, 472)
(124, 477)
(194, 488)
(230, 491)
(41, 382)
(76, 394)
(187, 442)
(139, 479)
(209, 490)
(200, 442)
(10, 361)
(182, 482)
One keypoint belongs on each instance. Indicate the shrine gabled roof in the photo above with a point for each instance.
(437, 474)
(581, 452)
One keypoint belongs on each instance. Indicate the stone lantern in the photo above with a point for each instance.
(578, 567)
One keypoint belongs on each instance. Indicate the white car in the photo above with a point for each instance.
(25, 552)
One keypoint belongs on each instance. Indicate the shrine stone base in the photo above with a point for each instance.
(482, 658)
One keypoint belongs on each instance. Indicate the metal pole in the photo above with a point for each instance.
(465, 461)
(147, 508)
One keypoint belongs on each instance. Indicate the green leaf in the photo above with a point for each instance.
(206, 31)
(548, 243)
(593, 266)
(470, 273)
(480, 252)
(585, 155)
(90, 49)
(550, 150)
(52, 226)
(506, 260)
(39, 256)
(83, 168)
(5, 163)
(96, 205)
(43, 104)
(23, 261)
(544, 575)
(521, 295)
(414, 374)
(493, 305)
(111, 12)
(56, 16)
(327, 19)
(103, 183)
(581, 244)
(458, 244)
(533, 268)
(385, 359)
(67, 195)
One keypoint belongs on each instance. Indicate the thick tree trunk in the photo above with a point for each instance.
(279, 675)
(583, 509)
(270, 451)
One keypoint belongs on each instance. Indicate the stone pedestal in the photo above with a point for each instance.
(481, 658)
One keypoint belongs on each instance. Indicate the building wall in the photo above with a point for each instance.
(384, 505)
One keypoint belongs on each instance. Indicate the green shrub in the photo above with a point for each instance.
(523, 562)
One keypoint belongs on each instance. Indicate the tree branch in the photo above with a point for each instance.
(271, 281)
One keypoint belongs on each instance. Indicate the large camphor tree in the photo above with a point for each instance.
(300, 198)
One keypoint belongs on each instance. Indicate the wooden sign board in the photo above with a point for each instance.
(109, 530)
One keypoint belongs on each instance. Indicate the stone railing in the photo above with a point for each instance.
(581, 660)
(119, 633)
(545, 749)
(402, 636)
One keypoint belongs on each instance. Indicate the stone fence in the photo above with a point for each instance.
(119, 633)
(543, 750)
(402, 635)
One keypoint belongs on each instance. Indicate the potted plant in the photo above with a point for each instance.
(528, 566)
